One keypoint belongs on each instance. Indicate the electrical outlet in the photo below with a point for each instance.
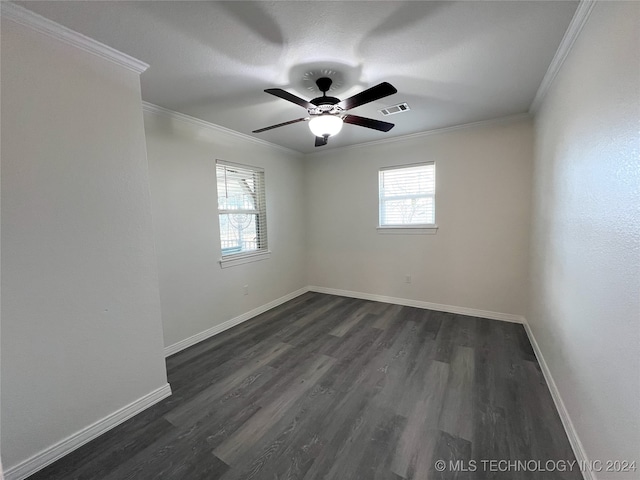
(245, 289)
(407, 279)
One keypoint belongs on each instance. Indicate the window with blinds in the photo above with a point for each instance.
(408, 195)
(241, 208)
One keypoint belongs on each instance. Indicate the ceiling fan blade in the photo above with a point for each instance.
(320, 141)
(368, 122)
(374, 93)
(303, 119)
(278, 92)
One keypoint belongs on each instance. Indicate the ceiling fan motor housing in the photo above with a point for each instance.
(324, 104)
(325, 109)
(324, 84)
(325, 101)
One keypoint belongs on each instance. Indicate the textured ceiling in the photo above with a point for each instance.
(452, 62)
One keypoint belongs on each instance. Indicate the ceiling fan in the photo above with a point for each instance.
(327, 114)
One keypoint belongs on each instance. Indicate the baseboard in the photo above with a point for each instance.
(572, 434)
(215, 330)
(210, 332)
(472, 312)
(71, 443)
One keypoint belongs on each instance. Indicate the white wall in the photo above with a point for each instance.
(81, 328)
(477, 259)
(585, 302)
(196, 293)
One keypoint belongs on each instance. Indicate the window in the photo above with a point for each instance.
(242, 213)
(407, 198)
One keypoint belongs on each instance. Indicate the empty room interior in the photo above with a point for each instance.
(378, 240)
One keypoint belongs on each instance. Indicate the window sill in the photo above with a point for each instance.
(409, 230)
(233, 260)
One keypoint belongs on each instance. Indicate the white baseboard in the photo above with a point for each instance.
(572, 434)
(71, 443)
(472, 312)
(210, 332)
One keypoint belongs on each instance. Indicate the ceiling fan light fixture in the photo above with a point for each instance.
(326, 113)
(325, 125)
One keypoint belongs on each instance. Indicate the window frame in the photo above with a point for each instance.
(407, 229)
(260, 212)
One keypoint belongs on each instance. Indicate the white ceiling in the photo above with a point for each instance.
(452, 62)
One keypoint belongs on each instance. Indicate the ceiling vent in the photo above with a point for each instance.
(392, 110)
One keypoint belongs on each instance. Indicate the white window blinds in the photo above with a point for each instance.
(241, 208)
(407, 195)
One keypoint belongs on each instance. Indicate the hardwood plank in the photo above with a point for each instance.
(454, 451)
(330, 320)
(446, 337)
(357, 359)
(465, 335)
(415, 447)
(325, 310)
(490, 439)
(456, 417)
(101, 456)
(378, 455)
(531, 438)
(350, 321)
(176, 456)
(360, 337)
(258, 424)
(386, 317)
(216, 405)
(432, 320)
(490, 363)
(288, 449)
(415, 382)
(241, 338)
(359, 447)
(339, 431)
(242, 377)
(393, 375)
(183, 361)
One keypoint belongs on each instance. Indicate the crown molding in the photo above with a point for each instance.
(165, 112)
(578, 21)
(43, 25)
(426, 133)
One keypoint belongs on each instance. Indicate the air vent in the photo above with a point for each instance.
(392, 110)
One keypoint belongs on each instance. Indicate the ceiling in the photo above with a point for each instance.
(452, 62)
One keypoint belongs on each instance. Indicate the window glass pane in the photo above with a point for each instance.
(408, 181)
(241, 209)
(238, 232)
(407, 195)
(410, 211)
(236, 191)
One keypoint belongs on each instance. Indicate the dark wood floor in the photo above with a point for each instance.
(326, 387)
